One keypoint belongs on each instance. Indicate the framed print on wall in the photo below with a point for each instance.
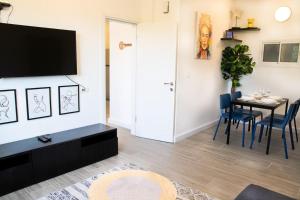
(203, 36)
(69, 100)
(8, 107)
(38, 103)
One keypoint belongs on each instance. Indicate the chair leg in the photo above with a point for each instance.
(296, 131)
(284, 144)
(253, 135)
(244, 132)
(238, 124)
(267, 131)
(291, 135)
(261, 133)
(216, 131)
(249, 125)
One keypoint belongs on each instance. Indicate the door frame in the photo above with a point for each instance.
(110, 18)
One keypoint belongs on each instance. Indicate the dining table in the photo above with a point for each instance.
(261, 105)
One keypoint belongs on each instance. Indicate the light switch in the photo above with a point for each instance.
(166, 7)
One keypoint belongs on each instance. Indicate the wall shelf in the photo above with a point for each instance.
(236, 29)
(231, 39)
(239, 29)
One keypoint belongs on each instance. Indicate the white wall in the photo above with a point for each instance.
(152, 10)
(87, 18)
(283, 81)
(199, 82)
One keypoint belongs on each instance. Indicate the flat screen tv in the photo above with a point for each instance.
(33, 51)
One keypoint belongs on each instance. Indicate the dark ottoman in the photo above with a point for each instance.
(255, 192)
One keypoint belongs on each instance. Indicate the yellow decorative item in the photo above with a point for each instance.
(251, 22)
(133, 185)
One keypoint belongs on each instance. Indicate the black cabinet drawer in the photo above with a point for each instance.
(94, 152)
(55, 160)
(16, 172)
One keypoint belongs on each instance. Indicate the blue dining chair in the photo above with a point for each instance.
(278, 123)
(225, 103)
(293, 119)
(253, 113)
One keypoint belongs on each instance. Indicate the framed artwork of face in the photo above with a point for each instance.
(203, 36)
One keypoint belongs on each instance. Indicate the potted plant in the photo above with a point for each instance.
(236, 62)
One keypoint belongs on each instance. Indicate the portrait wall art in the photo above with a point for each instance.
(8, 107)
(69, 100)
(203, 36)
(38, 103)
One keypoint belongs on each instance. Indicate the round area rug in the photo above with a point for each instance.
(133, 185)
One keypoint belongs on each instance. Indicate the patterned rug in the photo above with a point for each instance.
(79, 190)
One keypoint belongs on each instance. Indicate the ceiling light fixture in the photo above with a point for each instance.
(282, 14)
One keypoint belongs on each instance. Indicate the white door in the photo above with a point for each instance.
(122, 69)
(155, 81)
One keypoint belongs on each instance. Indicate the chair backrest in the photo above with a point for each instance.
(290, 113)
(296, 109)
(225, 101)
(236, 95)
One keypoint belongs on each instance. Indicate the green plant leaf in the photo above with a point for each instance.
(236, 63)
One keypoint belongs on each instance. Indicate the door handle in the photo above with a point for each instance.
(170, 83)
(123, 45)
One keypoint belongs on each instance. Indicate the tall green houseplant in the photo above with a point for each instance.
(236, 63)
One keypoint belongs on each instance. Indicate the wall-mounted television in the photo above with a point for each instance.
(34, 51)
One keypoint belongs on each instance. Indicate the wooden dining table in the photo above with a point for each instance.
(255, 104)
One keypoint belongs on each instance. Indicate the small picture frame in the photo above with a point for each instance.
(69, 99)
(229, 34)
(38, 102)
(8, 107)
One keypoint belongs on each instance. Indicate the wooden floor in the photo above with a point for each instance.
(210, 166)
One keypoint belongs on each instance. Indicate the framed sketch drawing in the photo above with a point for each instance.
(69, 100)
(203, 36)
(8, 107)
(38, 103)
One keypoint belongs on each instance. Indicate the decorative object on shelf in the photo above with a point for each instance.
(38, 103)
(69, 100)
(282, 14)
(203, 36)
(236, 62)
(251, 22)
(8, 107)
(229, 34)
(236, 14)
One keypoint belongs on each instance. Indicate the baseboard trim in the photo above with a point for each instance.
(194, 131)
(118, 123)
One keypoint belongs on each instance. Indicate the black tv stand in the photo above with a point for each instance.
(30, 161)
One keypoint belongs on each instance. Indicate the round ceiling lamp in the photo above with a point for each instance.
(282, 14)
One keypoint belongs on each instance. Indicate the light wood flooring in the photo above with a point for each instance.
(211, 166)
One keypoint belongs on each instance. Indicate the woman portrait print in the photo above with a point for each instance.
(204, 33)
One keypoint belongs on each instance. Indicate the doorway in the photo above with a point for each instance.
(120, 50)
